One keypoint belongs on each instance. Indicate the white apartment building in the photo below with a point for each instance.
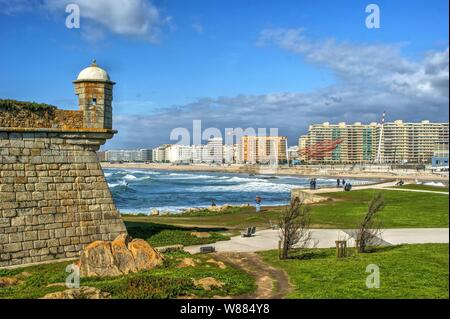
(293, 154)
(228, 154)
(179, 153)
(142, 155)
(213, 151)
(159, 154)
(197, 154)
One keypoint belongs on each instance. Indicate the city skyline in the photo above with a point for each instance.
(395, 142)
(288, 66)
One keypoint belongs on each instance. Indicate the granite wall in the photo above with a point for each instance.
(53, 195)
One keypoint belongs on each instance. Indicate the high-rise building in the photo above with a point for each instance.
(159, 154)
(197, 154)
(228, 154)
(179, 153)
(146, 154)
(212, 151)
(263, 149)
(293, 155)
(400, 142)
(142, 155)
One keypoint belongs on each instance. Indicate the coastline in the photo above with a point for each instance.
(306, 171)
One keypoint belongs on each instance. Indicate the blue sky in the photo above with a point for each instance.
(237, 63)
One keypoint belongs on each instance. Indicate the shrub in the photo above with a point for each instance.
(145, 286)
(16, 105)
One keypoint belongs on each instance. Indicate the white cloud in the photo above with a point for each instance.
(370, 79)
(197, 26)
(12, 7)
(132, 18)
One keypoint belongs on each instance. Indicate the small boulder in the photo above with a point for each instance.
(187, 262)
(123, 258)
(144, 255)
(219, 264)
(200, 234)
(97, 259)
(9, 281)
(78, 293)
(208, 283)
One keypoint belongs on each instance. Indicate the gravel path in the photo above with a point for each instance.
(271, 283)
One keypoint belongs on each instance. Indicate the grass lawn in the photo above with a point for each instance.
(403, 209)
(424, 187)
(406, 271)
(344, 210)
(165, 282)
(163, 235)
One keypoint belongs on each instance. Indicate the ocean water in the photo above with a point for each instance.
(139, 191)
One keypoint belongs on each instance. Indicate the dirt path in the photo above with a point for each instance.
(271, 283)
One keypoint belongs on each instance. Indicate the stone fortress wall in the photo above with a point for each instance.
(54, 199)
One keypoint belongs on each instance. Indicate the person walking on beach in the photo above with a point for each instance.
(314, 183)
(311, 184)
(338, 182)
(258, 203)
(213, 202)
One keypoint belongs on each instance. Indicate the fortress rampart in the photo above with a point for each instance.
(53, 195)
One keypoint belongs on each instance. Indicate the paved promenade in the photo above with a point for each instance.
(386, 185)
(325, 238)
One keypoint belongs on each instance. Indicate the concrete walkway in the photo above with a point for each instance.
(384, 185)
(416, 190)
(354, 188)
(325, 238)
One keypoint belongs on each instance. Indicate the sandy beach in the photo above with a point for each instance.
(310, 170)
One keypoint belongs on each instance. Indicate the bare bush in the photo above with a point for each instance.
(294, 227)
(369, 231)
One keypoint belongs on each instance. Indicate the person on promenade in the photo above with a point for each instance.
(213, 202)
(311, 184)
(258, 203)
(338, 182)
(347, 186)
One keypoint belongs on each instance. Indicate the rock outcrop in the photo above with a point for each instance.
(306, 197)
(200, 234)
(78, 293)
(9, 281)
(119, 257)
(219, 264)
(208, 283)
(187, 262)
